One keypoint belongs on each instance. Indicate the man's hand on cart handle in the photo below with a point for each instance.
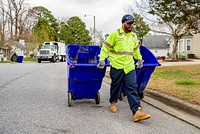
(139, 64)
(101, 64)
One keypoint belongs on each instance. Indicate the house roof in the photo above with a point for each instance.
(189, 34)
(156, 41)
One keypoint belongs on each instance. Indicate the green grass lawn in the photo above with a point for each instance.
(182, 82)
(29, 59)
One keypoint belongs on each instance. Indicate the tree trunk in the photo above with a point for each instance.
(16, 26)
(141, 41)
(2, 25)
(174, 51)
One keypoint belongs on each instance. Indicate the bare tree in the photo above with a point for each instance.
(2, 24)
(18, 11)
(19, 17)
(16, 21)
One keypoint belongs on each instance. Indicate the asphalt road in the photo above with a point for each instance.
(33, 100)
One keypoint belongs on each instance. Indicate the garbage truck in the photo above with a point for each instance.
(52, 51)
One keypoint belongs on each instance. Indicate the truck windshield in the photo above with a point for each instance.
(48, 46)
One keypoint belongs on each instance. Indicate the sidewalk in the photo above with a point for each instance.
(192, 62)
(180, 109)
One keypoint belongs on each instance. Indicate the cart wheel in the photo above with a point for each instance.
(69, 99)
(97, 98)
(121, 95)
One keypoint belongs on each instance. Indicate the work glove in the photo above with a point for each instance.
(139, 64)
(101, 64)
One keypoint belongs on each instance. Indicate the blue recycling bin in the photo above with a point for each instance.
(143, 74)
(84, 78)
(20, 59)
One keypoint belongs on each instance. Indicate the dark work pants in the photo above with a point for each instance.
(118, 77)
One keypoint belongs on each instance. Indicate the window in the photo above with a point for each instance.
(180, 45)
(46, 46)
(188, 43)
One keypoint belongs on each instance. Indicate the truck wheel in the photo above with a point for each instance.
(69, 99)
(97, 98)
(39, 60)
(54, 59)
(62, 59)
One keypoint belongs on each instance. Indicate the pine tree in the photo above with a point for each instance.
(74, 32)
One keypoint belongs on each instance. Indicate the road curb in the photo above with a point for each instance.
(180, 114)
(174, 102)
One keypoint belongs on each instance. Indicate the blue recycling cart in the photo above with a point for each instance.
(84, 78)
(143, 74)
(20, 59)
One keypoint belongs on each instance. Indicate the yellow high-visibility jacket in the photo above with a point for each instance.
(120, 48)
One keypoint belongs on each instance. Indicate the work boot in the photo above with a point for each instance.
(139, 115)
(113, 107)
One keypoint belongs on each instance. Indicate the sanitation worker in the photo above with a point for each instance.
(120, 47)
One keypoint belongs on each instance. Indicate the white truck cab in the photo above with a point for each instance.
(52, 51)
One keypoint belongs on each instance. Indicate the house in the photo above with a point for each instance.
(6, 50)
(188, 45)
(11, 47)
(18, 47)
(157, 44)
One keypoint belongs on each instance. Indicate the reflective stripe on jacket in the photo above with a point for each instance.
(120, 47)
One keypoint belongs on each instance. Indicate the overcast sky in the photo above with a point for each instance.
(108, 13)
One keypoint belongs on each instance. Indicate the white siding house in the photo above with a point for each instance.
(189, 44)
(157, 44)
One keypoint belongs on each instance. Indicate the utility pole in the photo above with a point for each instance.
(94, 30)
